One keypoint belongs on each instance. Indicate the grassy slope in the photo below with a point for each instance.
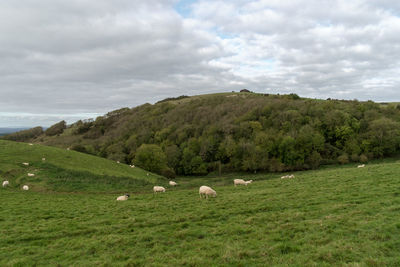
(66, 170)
(334, 216)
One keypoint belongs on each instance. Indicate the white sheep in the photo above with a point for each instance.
(68, 148)
(117, 161)
(5, 183)
(361, 166)
(25, 163)
(287, 176)
(30, 144)
(172, 183)
(132, 166)
(31, 174)
(158, 189)
(206, 191)
(248, 182)
(123, 198)
(239, 182)
(43, 159)
(25, 187)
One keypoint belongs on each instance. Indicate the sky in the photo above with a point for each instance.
(77, 59)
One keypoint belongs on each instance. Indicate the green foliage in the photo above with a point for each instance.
(151, 157)
(55, 129)
(244, 131)
(25, 135)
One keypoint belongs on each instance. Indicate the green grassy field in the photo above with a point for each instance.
(68, 171)
(334, 216)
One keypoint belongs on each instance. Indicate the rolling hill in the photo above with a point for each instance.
(231, 132)
(68, 171)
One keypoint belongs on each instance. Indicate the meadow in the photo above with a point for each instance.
(334, 216)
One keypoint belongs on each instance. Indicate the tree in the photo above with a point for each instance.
(57, 128)
(151, 157)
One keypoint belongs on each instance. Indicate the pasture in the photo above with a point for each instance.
(334, 216)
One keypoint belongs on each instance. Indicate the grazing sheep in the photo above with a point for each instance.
(239, 182)
(123, 198)
(287, 176)
(5, 183)
(172, 183)
(158, 189)
(68, 148)
(31, 174)
(206, 191)
(30, 144)
(25, 163)
(25, 187)
(361, 166)
(132, 166)
(248, 182)
(117, 161)
(43, 159)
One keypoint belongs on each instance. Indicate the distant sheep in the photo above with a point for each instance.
(117, 161)
(5, 183)
(68, 148)
(206, 191)
(25, 187)
(31, 174)
(172, 183)
(30, 144)
(123, 198)
(43, 159)
(287, 176)
(25, 163)
(132, 166)
(157, 189)
(241, 182)
(361, 166)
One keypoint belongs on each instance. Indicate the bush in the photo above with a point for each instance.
(343, 159)
(57, 128)
(151, 158)
(168, 172)
(363, 158)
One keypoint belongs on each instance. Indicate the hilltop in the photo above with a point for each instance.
(230, 132)
(68, 171)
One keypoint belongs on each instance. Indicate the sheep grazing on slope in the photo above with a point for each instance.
(361, 166)
(31, 174)
(157, 189)
(117, 161)
(5, 183)
(206, 191)
(43, 159)
(30, 144)
(287, 176)
(123, 198)
(132, 166)
(248, 182)
(25, 163)
(172, 183)
(25, 187)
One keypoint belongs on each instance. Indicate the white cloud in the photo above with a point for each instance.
(69, 57)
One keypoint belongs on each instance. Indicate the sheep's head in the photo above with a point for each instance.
(127, 195)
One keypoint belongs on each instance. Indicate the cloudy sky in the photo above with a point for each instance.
(82, 58)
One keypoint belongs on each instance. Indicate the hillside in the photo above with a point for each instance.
(68, 171)
(336, 216)
(232, 132)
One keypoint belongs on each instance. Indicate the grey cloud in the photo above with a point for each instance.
(70, 57)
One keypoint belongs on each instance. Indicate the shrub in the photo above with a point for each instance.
(55, 129)
(343, 159)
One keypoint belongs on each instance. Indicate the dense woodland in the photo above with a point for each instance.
(233, 132)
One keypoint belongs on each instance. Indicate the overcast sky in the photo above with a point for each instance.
(72, 59)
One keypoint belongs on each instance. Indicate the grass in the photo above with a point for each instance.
(341, 216)
(70, 171)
